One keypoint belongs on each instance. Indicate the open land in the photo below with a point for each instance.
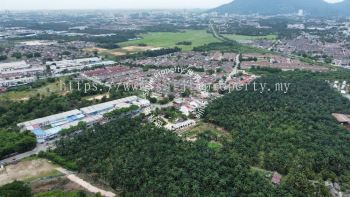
(169, 39)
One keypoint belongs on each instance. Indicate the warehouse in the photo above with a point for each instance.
(14, 66)
(48, 127)
(51, 120)
(98, 109)
(112, 105)
(77, 64)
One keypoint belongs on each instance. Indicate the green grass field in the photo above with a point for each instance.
(243, 37)
(169, 39)
(45, 90)
(214, 145)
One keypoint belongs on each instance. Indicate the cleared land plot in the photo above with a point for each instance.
(45, 90)
(27, 170)
(121, 51)
(169, 39)
(57, 186)
(202, 127)
(97, 97)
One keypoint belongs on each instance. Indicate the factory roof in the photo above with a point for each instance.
(51, 118)
(97, 108)
(120, 103)
(13, 65)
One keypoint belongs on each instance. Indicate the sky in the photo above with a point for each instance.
(113, 4)
(108, 4)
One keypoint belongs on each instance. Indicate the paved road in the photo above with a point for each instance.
(211, 26)
(36, 150)
(216, 34)
(235, 69)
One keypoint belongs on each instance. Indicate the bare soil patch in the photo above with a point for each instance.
(25, 170)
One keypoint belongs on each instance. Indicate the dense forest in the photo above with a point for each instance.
(11, 142)
(291, 133)
(140, 159)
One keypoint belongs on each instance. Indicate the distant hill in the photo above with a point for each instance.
(272, 7)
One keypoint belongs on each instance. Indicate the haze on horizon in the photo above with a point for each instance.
(113, 4)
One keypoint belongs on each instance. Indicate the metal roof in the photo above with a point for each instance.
(51, 118)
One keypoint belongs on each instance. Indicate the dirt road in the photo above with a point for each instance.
(85, 184)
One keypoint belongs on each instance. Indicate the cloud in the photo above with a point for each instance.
(333, 1)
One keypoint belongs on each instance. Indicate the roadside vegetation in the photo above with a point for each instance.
(15, 189)
(15, 142)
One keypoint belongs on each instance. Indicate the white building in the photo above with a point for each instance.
(18, 73)
(77, 64)
(14, 66)
(13, 82)
(181, 125)
(52, 120)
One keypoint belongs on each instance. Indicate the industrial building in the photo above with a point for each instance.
(181, 125)
(77, 64)
(110, 106)
(14, 66)
(18, 73)
(48, 127)
(13, 82)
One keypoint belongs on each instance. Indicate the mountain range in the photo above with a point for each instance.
(273, 7)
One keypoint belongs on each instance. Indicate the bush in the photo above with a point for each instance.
(15, 189)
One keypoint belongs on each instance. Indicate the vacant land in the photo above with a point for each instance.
(121, 51)
(55, 186)
(23, 95)
(27, 170)
(97, 97)
(170, 39)
(202, 127)
(86, 185)
(244, 38)
(44, 176)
